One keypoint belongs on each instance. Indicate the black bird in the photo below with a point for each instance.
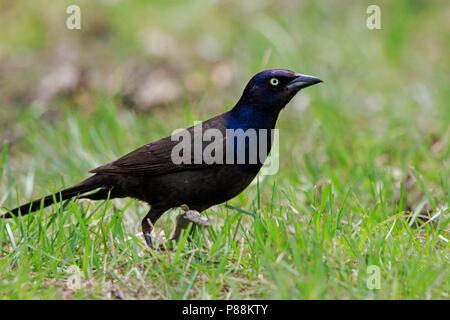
(150, 173)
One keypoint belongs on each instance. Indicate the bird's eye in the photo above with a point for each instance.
(274, 82)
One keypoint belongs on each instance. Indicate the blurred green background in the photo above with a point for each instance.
(71, 100)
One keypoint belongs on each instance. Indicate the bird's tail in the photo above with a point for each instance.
(89, 184)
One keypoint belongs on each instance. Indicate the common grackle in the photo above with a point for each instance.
(154, 175)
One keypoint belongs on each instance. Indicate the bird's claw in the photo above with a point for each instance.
(195, 217)
(148, 240)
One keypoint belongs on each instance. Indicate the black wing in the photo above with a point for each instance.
(156, 158)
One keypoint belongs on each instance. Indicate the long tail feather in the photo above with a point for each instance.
(87, 185)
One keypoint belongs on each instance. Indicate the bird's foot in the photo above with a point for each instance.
(161, 247)
(183, 221)
(148, 240)
(195, 217)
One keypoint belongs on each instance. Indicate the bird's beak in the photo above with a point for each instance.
(302, 81)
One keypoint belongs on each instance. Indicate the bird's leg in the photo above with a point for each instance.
(148, 222)
(184, 219)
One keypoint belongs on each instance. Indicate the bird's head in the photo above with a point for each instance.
(273, 89)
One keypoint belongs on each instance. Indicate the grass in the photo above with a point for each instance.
(310, 232)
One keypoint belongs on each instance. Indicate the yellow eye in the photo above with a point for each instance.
(274, 82)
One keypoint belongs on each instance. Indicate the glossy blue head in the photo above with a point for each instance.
(271, 90)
